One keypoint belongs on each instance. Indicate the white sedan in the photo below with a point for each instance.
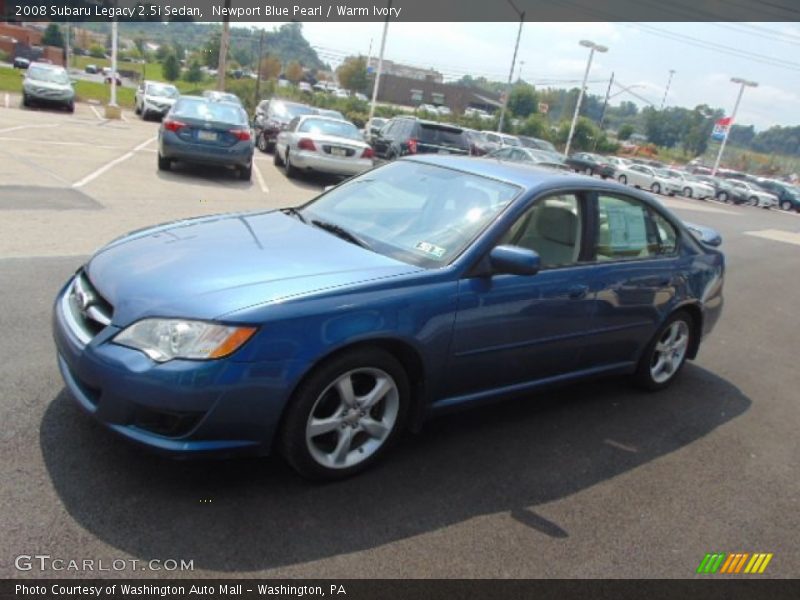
(692, 187)
(323, 145)
(648, 178)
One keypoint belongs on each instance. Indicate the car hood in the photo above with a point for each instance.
(160, 99)
(212, 266)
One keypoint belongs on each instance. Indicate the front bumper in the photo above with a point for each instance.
(181, 407)
(50, 96)
(316, 161)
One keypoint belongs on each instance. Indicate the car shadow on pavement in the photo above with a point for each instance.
(222, 176)
(252, 514)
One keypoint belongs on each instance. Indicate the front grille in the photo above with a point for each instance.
(90, 313)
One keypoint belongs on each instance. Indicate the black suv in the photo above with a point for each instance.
(273, 116)
(408, 135)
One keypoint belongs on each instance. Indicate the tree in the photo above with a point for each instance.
(193, 73)
(270, 67)
(625, 132)
(536, 126)
(97, 51)
(171, 68)
(523, 100)
(586, 132)
(294, 72)
(52, 36)
(353, 74)
(211, 50)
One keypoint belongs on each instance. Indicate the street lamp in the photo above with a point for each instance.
(666, 90)
(743, 83)
(521, 15)
(592, 49)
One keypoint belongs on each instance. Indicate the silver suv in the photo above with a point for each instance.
(48, 84)
(154, 98)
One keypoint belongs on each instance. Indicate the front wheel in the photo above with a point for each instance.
(622, 179)
(753, 201)
(666, 354)
(687, 191)
(345, 415)
(655, 188)
(723, 197)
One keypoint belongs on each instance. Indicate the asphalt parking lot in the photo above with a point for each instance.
(593, 480)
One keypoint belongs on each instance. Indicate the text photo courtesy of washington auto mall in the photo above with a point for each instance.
(391, 298)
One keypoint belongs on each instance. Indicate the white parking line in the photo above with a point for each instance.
(57, 143)
(260, 179)
(8, 100)
(110, 165)
(96, 112)
(18, 127)
(777, 235)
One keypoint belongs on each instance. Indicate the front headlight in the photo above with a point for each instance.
(165, 339)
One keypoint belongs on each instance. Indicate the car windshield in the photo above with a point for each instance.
(190, 108)
(417, 213)
(330, 127)
(290, 111)
(160, 89)
(49, 75)
(511, 141)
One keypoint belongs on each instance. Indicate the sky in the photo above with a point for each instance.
(704, 57)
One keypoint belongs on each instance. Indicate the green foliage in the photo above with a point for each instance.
(171, 68)
(535, 126)
(625, 132)
(53, 36)
(193, 73)
(523, 100)
(352, 74)
(782, 140)
(97, 51)
(211, 50)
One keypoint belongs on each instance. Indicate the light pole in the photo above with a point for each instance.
(666, 90)
(377, 82)
(511, 71)
(743, 83)
(592, 49)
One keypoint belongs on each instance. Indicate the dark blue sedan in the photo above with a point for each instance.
(207, 132)
(423, 285)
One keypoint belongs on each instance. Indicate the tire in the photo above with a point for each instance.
(352, 435)
(622, 179)
(25, 100)
(687, 191)
(291, 171)
(589, 171)
(71, 107)
(164, 164)
(786, 205)
(246, 173)
(261, 142)
(276, 159)
(655, 188)
(752, 201)
(723, 197)
(655, 371)
(137, 110)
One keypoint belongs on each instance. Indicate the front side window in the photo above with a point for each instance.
(628, 229)
(552, 228)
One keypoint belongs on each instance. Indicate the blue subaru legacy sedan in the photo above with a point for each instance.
(322, 332)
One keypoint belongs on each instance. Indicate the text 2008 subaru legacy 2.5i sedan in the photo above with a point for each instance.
(428, 283)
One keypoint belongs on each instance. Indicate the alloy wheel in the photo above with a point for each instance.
(352, 418)
(670, 351)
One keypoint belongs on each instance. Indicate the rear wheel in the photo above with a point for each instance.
(345, 415)
(291, 171)
(752, 201)
(262, 143)
(164, 164)
(786, 205)
(723, 197)
(276, 158)
(655, 188)
(246, 173)
(622, 179)
(687, 191)
(665, 355)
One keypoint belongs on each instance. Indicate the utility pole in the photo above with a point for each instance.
(666, 90)
(743, 83)
(592, 48)
(224, 42)
(258, 72)
(605, 105)
(66, 48)
(503, 108)
(380, 68)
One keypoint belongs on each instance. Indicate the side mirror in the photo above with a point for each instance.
(707, 235)
(514, 260)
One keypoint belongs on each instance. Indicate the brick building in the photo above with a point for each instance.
(18, 40)
(407, 91)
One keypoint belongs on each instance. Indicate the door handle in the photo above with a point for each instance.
(577, 292)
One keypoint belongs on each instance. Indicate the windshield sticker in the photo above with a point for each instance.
(432, 249)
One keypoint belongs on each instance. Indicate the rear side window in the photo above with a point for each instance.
(432, 134)
(628, 229)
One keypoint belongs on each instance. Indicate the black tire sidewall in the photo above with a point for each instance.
(292, 434)
(642, 377)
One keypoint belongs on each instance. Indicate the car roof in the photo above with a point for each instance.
(47, 66)
(324, 118)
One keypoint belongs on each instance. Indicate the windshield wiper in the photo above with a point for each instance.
(295, 212)
(340, 232)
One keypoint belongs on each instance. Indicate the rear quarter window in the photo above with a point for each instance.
(442, 137)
